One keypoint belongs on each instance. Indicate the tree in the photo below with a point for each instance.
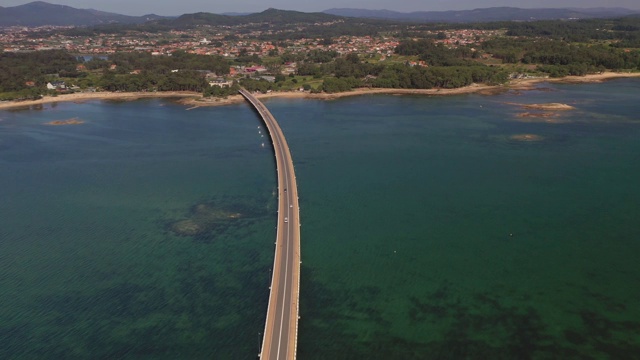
(353, 58)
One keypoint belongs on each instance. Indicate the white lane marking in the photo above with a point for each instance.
(273, 277)
(278, 133)
(286, 243)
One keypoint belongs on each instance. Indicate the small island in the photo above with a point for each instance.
(72, 121)
(549, 107)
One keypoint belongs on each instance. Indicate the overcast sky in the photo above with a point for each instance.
(179, 7)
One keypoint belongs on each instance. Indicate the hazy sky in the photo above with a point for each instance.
(179, 7)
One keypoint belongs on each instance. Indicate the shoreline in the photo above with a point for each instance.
(195, 100)
(103, 95)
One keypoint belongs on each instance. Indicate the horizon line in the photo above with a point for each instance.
(242, 13)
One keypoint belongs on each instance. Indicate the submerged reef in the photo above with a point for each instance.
(72, 121)
(203, 218)
(526, 137)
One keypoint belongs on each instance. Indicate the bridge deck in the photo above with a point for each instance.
(281, 327)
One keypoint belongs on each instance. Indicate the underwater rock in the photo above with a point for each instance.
(72, 121)
(186, 228)
(541, 117)
(545, 106)
(549, 106)
(526, 137)
(203, 218)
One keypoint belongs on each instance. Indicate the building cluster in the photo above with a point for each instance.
(224, 41)
(22, 39)
(464, 37)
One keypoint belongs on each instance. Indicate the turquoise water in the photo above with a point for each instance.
(89, 267)
(428, 232)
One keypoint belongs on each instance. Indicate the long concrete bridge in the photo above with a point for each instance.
(281, 329)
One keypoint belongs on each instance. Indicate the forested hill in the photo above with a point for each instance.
(316, 24)
(39, 13)
(488, 14)
(272, 16)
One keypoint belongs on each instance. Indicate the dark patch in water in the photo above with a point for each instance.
(326, 313)
(605, 300)
(574, 337)
(208, 220)
(604, 333)
(516, 333)
(134, 321)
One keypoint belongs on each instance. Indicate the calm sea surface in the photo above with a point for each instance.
(430, 228)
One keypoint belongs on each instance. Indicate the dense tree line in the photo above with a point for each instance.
(578, 30)
(596, 56)
(558, 57)
(435, 54)
(334, 85)
(260, 85)
(186, 80)
(320, 56)
(341, 67)
(142, 71)
(224, 91)
(179, 60)
(348, 72)
(408, 77)
(24, 75)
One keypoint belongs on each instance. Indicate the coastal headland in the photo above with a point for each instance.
(195, 99)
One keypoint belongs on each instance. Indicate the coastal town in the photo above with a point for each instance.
(224, 41)
(309, 53)
(251, 52)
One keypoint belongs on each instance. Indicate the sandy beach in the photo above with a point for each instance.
(195, 100)
(80, 97)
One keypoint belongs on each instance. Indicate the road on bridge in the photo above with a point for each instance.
(281, 328)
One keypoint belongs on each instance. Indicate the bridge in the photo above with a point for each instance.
(281, 327)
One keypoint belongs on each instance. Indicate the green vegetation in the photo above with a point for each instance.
(144, 72)
(559, 58)
(427, 55)
(447, 77)
(626, 28)
(25, 75)
(436, 54)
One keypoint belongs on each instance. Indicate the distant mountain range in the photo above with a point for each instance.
(488, 14)
(40, 13)
(273, 16)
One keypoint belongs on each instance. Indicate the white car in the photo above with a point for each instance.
(286, 219)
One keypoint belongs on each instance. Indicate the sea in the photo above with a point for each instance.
(433, 227)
